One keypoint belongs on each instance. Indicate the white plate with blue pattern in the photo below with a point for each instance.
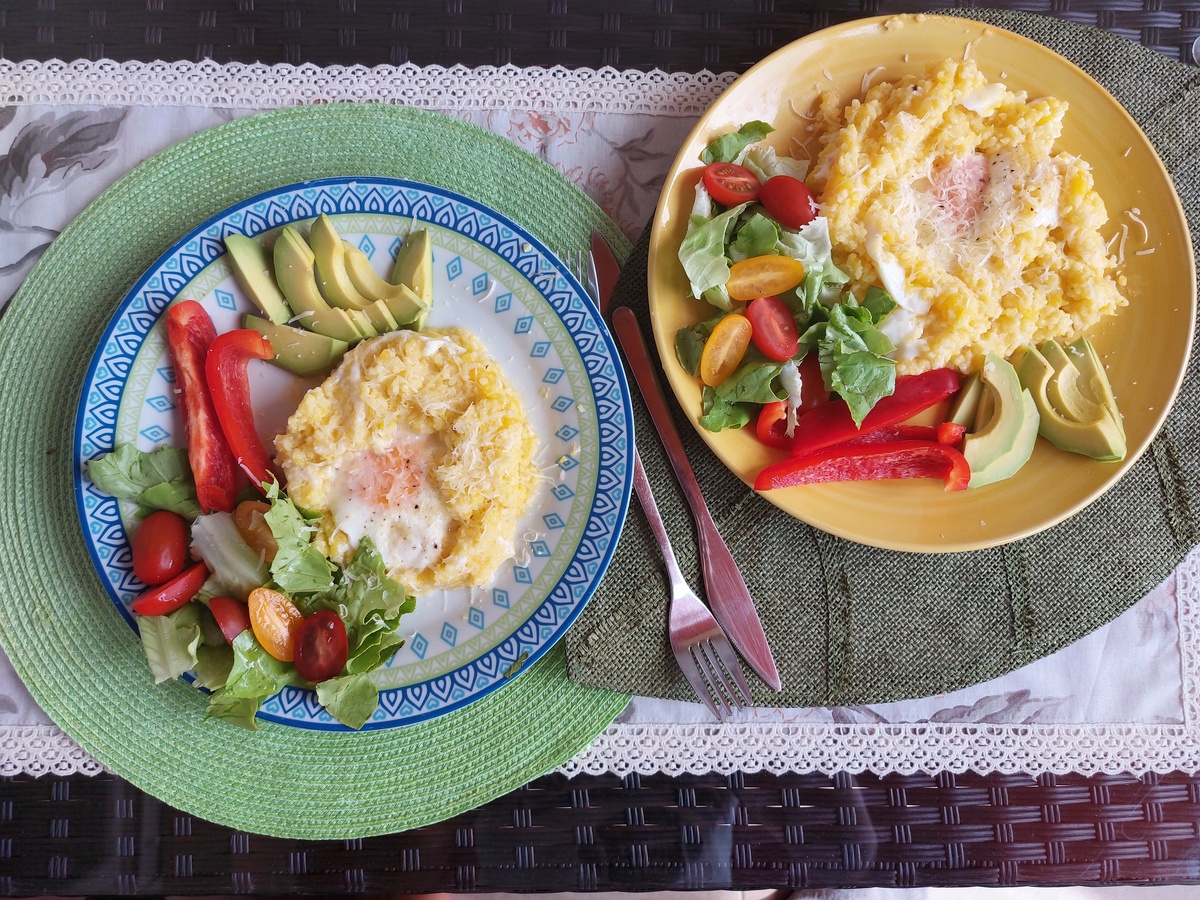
(491, 277)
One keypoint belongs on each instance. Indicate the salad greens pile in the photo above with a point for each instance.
(242, 675)
(841, 328)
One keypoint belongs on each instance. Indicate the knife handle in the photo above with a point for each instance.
(629, 333)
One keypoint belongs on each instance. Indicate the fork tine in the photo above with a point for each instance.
(729, 658)
(691, 671)
(728, 696)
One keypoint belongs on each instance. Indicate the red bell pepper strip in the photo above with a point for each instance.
(951, 434)
(227, 380)
(870, 462)
(772, 425)
(190, 333)
(166, 598)
(832, 423)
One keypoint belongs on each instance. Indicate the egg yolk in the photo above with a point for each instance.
(387, 495)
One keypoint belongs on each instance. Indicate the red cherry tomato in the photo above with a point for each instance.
(789, 201)
(775, 332)
(233, 616)
(160, 547)
(321, 646)
(730, 184)
(158, 601)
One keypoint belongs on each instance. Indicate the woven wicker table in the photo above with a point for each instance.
(99, 835)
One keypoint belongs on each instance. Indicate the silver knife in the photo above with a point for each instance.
(724, 586)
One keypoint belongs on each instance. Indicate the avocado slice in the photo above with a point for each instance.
(1066, 389)
(1005, 442)
(330, 255)
(1093, 377)
(254, 271)
(381, 317)
(295, 270)
(962, 412)
(414, 265)
(1101, 439)
(402, 302)
(298, 351)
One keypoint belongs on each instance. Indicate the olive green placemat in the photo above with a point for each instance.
(80, 660)
(852, 624)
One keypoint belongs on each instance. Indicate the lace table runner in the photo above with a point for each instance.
(1122, 699)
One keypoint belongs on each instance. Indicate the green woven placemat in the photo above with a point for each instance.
(852, 624)
(80, 660)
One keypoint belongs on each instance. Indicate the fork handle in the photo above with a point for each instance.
(641, 484)
(637, 354)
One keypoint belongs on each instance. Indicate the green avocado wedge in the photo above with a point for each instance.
(295, 270)
(1003, 445)
(303, 353)
(1101, 438)
(255, 273)
(330, 258)
(402, 302)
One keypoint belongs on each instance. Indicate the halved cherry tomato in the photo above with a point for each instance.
(775, 332)
(789, 201)
(724, 349)
(730, 184)
(165, 598)
(160, 547)
(233, 616)
(225, 369)
(254, 528)
(321, 646)
(190, 334)
(275, 621)
(763, 276)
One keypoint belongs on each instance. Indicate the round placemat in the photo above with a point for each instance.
(66, 641)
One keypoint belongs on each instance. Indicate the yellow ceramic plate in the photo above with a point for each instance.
(1145, 346)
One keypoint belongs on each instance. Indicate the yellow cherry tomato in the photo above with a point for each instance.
(763, 276)
(253, 527)
(724, 349)
(275, 621)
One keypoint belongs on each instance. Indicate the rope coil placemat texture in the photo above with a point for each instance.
(852, 624)
(81, 662)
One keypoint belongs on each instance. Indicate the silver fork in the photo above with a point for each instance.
(701, 648)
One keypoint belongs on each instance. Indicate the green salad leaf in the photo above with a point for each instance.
(718, 414)
(159, 479)
(853, 354)
(728, 147)
(703, 253)
(254, 676)
(351, 699)
(689, 343)
(299, 567)
(758, 236)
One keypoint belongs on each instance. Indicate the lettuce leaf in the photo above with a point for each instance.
(217, 541)
(254, 676)
(728, 147)
(813, 247)
(160, 479)
(185, 640)
(689, 343)
(351, 699)
(853, 355)
(371, 604)
(765, 163)
(718, 414)
(299, 567)
(702, 252)
(758, 236)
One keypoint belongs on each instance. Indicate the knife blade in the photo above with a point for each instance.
(604, 266)
(726, 590)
